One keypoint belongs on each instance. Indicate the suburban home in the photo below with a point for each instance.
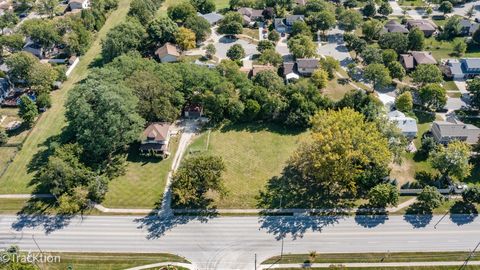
(251, 15)
(464, 68)
(407, 125)
(426, 26)
(453, 129)
(289, 71)
(393, 26)
(212, 18)
(78, 4)
(293, 18)
(155, 139)
(38, 50)
(193, 111)
(306, 66)
(414, 58)
(467, 27)
(5, 88)
(280, 25)
(167, 53)
(259, 68)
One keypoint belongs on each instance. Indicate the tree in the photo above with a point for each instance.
(265, 45)
(389, 56)
(425, 73)
(378, 75)
(236, 52)
(121, 39)
(252, 108)
(3, 137)
(231, 24)
(430, 198)
(330, 65)
(180, 12)
(396, 70)
(162, 30)
(404, 102)
(428, 145)
(320, 78)
(363, 102)
(196, 176)
(210, 51)
(372, 55)
(41, 77)
(102, 116)
(300, 27)
(350, 20)
(476, 36)
(471, 195)
(372, 29)
(47, 7)
(433, 96)
(185, 39)
(43, 32)
(385, 9)
(20, 66)
(416, 39)
(273, 36)
(383, 195)
(44, 100)
(354, 43)
(302, 46)
(370, 9)
(322, 21)
(459, 47)
(200, 26)
(329, 168)
(473, 87)
(8, 19)
(445, 7)
(452, 27)
(394, 41)
(269, 80)
(452, 161)
(13, 42)
(28, 110)
(142, 10)
(270, 56)
(204, 6)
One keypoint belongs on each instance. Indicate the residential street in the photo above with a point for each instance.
(232, 242)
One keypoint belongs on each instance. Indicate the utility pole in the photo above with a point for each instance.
(255, 261)
(281, 252)
(469, 257)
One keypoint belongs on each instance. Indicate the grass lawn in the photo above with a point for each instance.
(373, 257)
(454, 94)
(411, 3)
(17, 176)
(219, 4)
(252, 155)
(11, 206)
(469, 267)
(251, 32)
(109, 261)
(144, 182)
(443, 49)
(450, 85)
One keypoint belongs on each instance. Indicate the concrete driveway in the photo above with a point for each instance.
(225, 43)
(462, 85)
(335, 47)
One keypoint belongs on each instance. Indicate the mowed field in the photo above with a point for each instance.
(252, 155)
(17, 176)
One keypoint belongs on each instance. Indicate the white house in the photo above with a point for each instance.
(167, 53)
(79, 4)
(406, 124)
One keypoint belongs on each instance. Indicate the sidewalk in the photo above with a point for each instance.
(367, 265)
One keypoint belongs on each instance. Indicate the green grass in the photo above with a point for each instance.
(373, 257)
(454, 94)
(109, 261)
(17, 176)
(450, 85)
(443, 49)
(144, 182)
(398, 268)
(414, 3)
(11, 206)
(252, 155)
(251, 32)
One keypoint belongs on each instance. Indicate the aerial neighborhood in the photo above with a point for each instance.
(239, 107)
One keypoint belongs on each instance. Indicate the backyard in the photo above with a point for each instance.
(252, 155)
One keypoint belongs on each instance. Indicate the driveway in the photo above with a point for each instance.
(282, 47)
(224, 43)
(462, 85)
(454, 104)
(335, 47)
(397, 10)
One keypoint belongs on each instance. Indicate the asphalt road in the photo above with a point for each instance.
(232, 242)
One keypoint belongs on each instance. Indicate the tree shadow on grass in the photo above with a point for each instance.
(418, 215)
(368, 216)
(39, 212)
(462, 213)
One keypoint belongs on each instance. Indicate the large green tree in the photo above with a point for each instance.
(121, 39)
(28, 110)
(199, 26)
(433, 96)
(416, 39)
(383, 195)
(394, 41)
(350, 20)
(302, 46)
(452, 161)
(162, 30)
(425, 73)
(372, 29)
(378, 75)
(231, 24)
(181, 11)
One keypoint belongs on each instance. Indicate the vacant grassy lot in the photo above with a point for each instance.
(252, 154)
(17, 176)
(443, 49)
(144, 182)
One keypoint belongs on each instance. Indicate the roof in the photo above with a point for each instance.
(465, 23)
(212, 17)
(407, 60)
(423, 57)
(458, 129)
(404, 123)
(422, 24)
(250, 12)
(395, 27)
(307, 63)
(259, 68)
(156, 131)
(288, 67)
(295, 17)
(279, 22)
(167, 49)
(76, 1)
(472, 63)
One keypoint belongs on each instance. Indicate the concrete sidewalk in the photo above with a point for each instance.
(365, 265)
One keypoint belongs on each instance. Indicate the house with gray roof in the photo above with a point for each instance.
(212, 18)
(289, 71)
(462, 68)
(467, 27)
(5, 88)
(251, 15)
(414, 58)
(306, 66)
(393, 26)
(280, 25)
(453, 129)
(407, 125)
(293, 18)
(426, 26)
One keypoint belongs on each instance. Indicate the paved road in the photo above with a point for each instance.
(231, 242)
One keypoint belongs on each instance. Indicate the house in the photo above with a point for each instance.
(453, 129)
(259, 68)
(467, 28)
(193, 111)
(426, 26)
(5, 88)
(250, 15)
(293, 18)
(414, 58)
(464, 68)
(155, 139)
(212, 18)
(289, 71)
(167, 53)
(38, 50)
(306, 66)
(393, 26)
(407, 125)
(78, 4)
(280, 25)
